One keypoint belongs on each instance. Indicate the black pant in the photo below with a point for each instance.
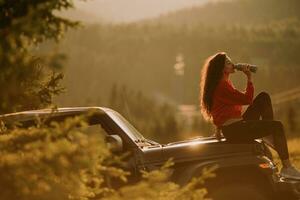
(252, 127)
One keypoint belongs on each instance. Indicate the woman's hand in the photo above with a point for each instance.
(246, 70)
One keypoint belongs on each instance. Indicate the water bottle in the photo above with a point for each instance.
(240, 66)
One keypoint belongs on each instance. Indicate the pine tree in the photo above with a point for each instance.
(29, 81)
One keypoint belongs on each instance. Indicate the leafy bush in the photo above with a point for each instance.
(61, 161)
(155, 185)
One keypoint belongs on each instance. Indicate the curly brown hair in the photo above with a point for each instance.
(211, 74)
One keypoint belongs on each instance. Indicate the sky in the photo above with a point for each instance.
(131, 10)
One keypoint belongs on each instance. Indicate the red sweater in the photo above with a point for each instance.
(228, 101)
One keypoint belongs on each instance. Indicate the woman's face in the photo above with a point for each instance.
(228, 68)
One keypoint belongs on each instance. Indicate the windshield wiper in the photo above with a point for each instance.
(144, 140)
(152, 142)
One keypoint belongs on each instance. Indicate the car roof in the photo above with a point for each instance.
(32, 114)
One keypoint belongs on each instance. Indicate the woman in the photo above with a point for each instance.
(222, 103)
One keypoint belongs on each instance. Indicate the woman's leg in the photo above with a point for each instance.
(247, 131)
(251, 128)
(260, 107)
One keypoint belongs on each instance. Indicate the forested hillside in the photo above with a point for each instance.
(243, 12)
(153, 48)
(142, 55)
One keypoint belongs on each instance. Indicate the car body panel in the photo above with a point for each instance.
(189, 156)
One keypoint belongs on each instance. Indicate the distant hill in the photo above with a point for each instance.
(82, 16)
(120, 11)
(242, 12)
(143, 55)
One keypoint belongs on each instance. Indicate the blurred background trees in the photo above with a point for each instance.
(142, 56)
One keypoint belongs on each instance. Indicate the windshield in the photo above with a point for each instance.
(126, 126)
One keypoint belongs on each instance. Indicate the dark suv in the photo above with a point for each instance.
(243, 170)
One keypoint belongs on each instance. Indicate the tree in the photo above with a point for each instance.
(29, 81)
(155, 120)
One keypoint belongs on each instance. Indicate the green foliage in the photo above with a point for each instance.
(66, 161)
(27, 81)
(58, 162)
(155, 185)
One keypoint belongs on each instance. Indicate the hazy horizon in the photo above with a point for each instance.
(118, 11)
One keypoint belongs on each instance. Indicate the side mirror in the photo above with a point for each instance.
(115, 143)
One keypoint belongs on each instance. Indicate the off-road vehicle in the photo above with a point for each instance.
(244, 170)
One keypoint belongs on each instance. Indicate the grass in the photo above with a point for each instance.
(294, 151)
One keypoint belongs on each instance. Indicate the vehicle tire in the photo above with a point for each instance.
(238, 191)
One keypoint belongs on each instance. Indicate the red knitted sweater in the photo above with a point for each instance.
(228, 101)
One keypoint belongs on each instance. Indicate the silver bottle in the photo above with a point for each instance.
(239, 66)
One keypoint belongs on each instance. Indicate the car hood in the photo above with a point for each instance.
(205, 147)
